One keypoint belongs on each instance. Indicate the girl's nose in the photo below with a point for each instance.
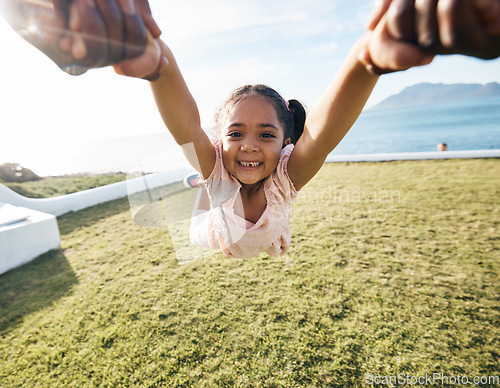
(249, 146)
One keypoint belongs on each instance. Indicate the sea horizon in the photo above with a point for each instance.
(462, 125)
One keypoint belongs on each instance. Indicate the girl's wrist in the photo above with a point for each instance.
(159, 70)
(162, 65)
(365, 58)
(366, 61)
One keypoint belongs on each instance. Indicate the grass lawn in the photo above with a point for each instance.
(393, 270)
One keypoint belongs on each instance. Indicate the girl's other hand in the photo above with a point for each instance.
(148, 65)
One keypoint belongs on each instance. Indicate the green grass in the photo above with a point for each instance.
(393, 269)
(55, 186)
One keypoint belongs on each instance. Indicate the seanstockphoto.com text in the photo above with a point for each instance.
(435, 379)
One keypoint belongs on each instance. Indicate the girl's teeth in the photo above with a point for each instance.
(249, 164)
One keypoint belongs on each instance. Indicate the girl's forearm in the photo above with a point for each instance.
(180, 114)
(175, 103)
(342, 102)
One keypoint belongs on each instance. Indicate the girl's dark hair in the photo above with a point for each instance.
(291, 114)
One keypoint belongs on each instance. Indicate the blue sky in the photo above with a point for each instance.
(54, 123)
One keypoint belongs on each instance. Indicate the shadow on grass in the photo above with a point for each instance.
(34, 286)
(87, 217)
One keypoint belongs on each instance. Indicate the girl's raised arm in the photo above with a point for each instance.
(180, 114)
(332, 116)
(340, 105)
(175, 104)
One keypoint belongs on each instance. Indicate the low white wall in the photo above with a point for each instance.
(22, 241)
(77, 201)
(476, 154)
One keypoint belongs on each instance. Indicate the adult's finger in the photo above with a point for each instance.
(401, 20)
(489, 11)
(113, 19)
(427, 29)
(460, 28)
(379, 10)
(135, 30)
(77, 43)
(94, 34)
(51, 35)
(61, 12)
(61, 8)
(147, 17)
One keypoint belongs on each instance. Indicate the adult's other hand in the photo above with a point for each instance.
(83, 34)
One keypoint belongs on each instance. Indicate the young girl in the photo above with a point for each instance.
(265, 150)
(261, 157)
(249, 187)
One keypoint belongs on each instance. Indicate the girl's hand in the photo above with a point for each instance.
(149, 65)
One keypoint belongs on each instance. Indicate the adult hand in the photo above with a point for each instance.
(83, 34)
(469, 27)
(385, 54)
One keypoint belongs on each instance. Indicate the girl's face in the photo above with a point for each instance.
(252, 140)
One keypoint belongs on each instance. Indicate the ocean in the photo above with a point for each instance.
(462, 125)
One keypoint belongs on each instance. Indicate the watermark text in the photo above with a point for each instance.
(430, 379)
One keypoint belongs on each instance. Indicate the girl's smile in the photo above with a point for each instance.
(249, 166)
(252, 140)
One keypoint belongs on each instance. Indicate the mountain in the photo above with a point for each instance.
(427, 93)
(13, 172)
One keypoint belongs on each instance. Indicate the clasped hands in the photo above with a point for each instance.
(406, 33)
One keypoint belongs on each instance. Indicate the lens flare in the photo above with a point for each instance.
(74, 69)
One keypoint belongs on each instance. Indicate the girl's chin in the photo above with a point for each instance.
(248, 180)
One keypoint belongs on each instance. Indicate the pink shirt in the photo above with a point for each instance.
(233, 234)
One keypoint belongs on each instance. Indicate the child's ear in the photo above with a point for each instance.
(287, 141)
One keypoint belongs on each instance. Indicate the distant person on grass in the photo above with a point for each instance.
(266, 150)
(442, 147)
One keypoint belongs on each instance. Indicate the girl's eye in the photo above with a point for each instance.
(268, 135)
(234, 134)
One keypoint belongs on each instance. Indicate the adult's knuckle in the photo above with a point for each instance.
(401, 19)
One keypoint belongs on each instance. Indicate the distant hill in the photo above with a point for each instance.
(427, 93)
(13, 172)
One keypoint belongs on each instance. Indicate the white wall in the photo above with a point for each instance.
(77, 201)
(479, 154)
